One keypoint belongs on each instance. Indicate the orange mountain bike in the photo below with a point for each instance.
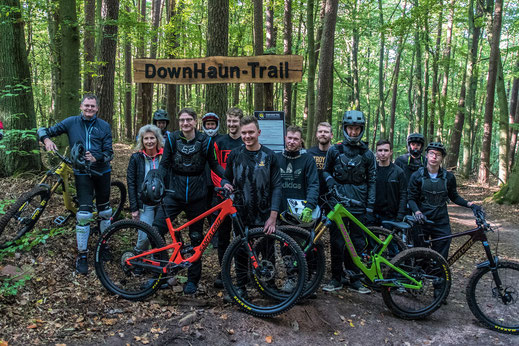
(257, 268)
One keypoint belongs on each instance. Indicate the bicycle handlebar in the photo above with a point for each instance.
(347, 202)
(68, 161)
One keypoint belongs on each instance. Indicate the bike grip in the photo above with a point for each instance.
(356, 203)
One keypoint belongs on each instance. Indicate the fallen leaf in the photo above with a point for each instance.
(109, 321)
(220, 294)
(351, 323)
(230, 331)
(3, 343)
(32, 326)
(268, 339)
(224, 316)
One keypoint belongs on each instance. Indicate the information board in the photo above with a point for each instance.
(272, 126)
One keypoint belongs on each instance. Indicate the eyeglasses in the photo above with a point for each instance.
(439, 155)
(185, 120)
(89, 106)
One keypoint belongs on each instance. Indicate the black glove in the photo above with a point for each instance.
(330, 183)
(420, 218)
(475, 207)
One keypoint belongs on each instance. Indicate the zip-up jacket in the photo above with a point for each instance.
(183, 168)
(410, 165)
(395, 190)
(136, 173)
(95, 134)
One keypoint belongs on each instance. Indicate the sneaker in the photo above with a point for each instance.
(333, 285)
(218, 283)
(289, 285)
(190, 288)
(82, 263)
(150, 282)
(358, 287)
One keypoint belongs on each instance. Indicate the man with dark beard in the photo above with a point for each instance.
(324, 138)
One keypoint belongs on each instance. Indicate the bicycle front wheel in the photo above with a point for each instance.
(271, 280)
(496, 306)
(315, 257)
(122, 240)
(427, 267)
(23, 215)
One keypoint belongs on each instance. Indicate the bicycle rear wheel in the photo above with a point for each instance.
(116, 245)
(23, 215)
(429, 268)
(315, 257)
(270, 282)
(496, 306)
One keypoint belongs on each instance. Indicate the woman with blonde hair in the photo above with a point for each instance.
(149, 148)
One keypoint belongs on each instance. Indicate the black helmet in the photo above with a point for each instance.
(160, 114)
(211, 117)
(416, 138)
(153, 188)
(436, 146)
(77, 156)
(353, 118)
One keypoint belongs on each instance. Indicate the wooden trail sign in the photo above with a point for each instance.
(220, 69)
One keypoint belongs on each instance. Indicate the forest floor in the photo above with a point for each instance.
(56, 306)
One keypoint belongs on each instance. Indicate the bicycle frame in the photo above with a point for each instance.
(374, 272)
(63, 171)
(226, 208)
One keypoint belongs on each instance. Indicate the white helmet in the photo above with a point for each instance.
(296, 206)
(211, 117)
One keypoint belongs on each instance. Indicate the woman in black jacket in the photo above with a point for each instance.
(149, 148)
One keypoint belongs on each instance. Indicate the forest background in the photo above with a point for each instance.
(447, 69)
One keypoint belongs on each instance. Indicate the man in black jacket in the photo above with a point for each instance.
(324, 137)
(298, 174)
(391, 196)
(413, 160)
(429, 190)
(350, 166)
(185, 155)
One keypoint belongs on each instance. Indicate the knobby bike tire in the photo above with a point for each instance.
(121, 198)
(486, 302)
(395, 246)
(117, 244)
(424, 265)
(256, 291)
(315, 257)
(16, 222)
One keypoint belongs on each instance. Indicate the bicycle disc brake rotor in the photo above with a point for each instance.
(507, 297)
(266, 270)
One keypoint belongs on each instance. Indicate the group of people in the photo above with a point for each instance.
(191, 162)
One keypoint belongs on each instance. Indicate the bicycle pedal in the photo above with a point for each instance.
(61, 220)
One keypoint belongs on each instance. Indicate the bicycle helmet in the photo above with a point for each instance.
(77, 156)
(416, 138)
(153, 188)
(160, 114)
(436, 146)
(211, 117)
(353, 118)
(296, 206)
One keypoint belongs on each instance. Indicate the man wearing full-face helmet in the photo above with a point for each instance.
(414, 159)
(351, 167)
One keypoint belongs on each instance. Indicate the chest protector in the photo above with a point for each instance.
(349, 167)
(413, 164)
(188, 158)
(434, 191)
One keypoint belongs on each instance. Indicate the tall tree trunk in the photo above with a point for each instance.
(381, 110)
(89, 46)
(395, 89)
(55, 57)
(311, 70)
(429, 128)
(217, 44)
(484, 166)
(326, 63)
(105, 88)
(271, 47)
(128, 84)
(425, 91)
(471, 86)
(514, 113)
(140, 111)
(504, 139)
(418, 104)
(19, 149)
(172, 43)
(287, 50)
(354, 57)
(258, 50)
(69, 84)
(446, 62)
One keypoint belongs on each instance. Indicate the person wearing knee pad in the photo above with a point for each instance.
(94, 136)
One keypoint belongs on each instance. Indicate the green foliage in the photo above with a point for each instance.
(30, 240)
(4, 203)
(11, 286)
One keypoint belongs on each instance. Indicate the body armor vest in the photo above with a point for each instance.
(434, 191)
(414, 164)
(349, 168)
(188, 158)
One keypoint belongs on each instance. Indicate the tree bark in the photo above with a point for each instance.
(105, 88)
(504, 139)
(418, 97)
(141, 113)
(258, 50)
(128, 85)
(484, 166)
(287, 50)
(89, 46)
(311, 70)
(429, 128)
(271, 49)
(395, 90)
(217, 44)
(514, 113)
(173, 16)
(381, 98)
(19, 149)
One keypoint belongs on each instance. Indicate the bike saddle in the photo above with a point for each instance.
(399, 225)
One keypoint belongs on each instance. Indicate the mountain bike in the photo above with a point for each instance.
(23, 215)
(492, 291)
(413, 284)
(255, 268)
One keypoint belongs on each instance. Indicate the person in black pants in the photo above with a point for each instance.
(95, 135)
(429, 190)
(185, 155)
(350, 166)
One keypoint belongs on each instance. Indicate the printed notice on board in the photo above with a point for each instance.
(272, 126)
